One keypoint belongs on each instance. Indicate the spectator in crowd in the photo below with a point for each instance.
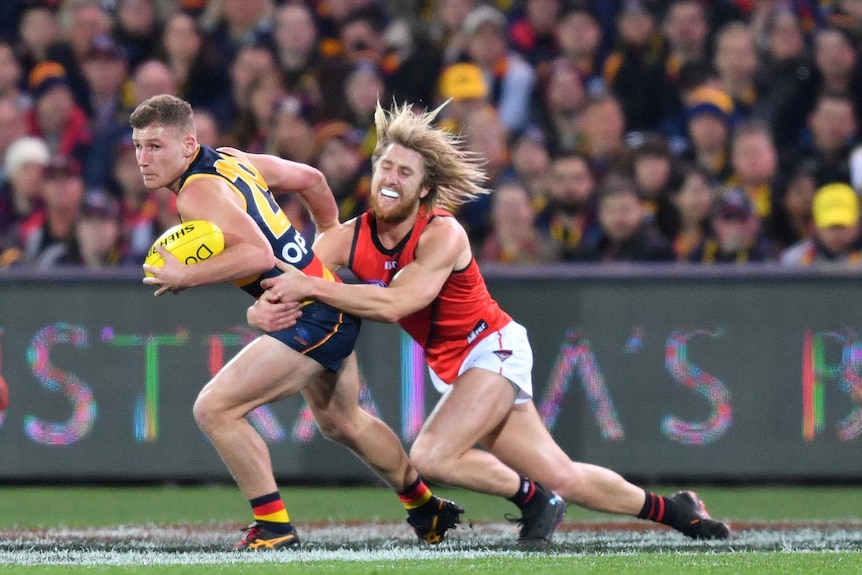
(847, 16)
(153, 77)
(9, 14)
(603, 129)
(568, 217)
(292, 134)
(38, 31)
(737, 63)
(735, 233)
(560, 98)
(463, 86)
(838, 66)
(580, 37)
(21, 191)
(531, 163)
(691, 195)
(485, 137)
(625, 234)
(634, 71)
(837, 238)
(239, 23)
(759, 15)
(410, 67)
(652, 166)
(49, 234)
(81, 22)
(686, 31)
(789, 79)
(208, 132)
(196, 67)
(295, 38)
(533, 33)
(792, 219)
(831, 134)
(754, 160)
(359, 35)
(98, 232)
(252, 61)
(105, 70)
(710, 118)
(12, 127)
(332, 16)
(509, 76)
(252, 127)
(446, 28)
(137, 28)
(55, 116)
(348, 172)
(10, 77)
(514, 237)
(363, 87)
(692, 78)
(367, 33)
(109, 104)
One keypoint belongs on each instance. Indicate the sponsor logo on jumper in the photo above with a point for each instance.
(380, 283)
(390, 265)
(479, 328)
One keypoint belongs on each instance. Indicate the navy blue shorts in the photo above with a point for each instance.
(325, 334)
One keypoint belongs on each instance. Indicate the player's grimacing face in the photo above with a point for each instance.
(162, 153)
(397, 184)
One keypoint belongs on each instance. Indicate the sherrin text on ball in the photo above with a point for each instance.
(189, 242)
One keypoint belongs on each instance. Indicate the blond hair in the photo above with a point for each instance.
(453, 174)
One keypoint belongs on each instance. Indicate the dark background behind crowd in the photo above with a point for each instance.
(721, 131)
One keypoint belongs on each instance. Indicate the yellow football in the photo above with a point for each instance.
(189, 242)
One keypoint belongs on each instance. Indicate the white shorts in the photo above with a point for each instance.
(506, 352)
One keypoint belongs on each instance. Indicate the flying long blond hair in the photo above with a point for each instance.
(453, 174)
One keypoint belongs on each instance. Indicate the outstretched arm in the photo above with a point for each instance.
(442, 248)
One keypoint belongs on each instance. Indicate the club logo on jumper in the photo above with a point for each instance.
(479, 328)
(503, 354)
(390, 264)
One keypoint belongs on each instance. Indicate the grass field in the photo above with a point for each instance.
(184, 530)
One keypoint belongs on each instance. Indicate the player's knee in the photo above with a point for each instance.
(572, 481)
(429, 461)
(559, 482)
(205, 412)
(334, 430)
(336, 427)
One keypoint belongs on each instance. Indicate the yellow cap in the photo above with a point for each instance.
(463, 81)
(835, 205)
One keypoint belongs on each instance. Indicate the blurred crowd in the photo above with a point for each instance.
(722, 131)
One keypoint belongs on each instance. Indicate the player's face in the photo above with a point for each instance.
(163, 154)
(397, 184)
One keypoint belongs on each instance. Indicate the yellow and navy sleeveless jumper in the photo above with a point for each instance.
(324, 333)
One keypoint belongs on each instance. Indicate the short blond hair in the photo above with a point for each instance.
(453, 174)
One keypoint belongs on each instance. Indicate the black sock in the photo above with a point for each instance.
(659, 509)
(524, 494)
